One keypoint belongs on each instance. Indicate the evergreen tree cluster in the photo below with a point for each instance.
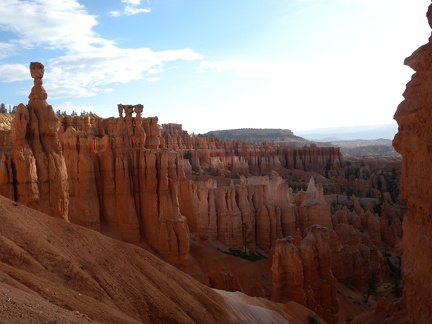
(12, 110)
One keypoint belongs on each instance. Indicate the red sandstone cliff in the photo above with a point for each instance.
(413, 141)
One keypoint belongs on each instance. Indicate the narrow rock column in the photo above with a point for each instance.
(37, 157)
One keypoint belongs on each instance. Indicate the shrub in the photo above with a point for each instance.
(313, 319)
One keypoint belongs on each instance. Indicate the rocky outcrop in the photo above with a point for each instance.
(131, 182)
(6, 177)
(234, 158)
(414, 142)
(357, 255)
(390, 224)
(303, 274)
(287, 269)
(175, 137)
(357, 258)
(39, 167)
(84, 206)
(106, 174)
(254, 213)
(261, 160)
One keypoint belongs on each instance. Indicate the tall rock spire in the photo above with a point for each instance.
(37, 156)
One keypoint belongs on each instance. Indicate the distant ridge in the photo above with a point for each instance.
(257, 135)
(365, 132)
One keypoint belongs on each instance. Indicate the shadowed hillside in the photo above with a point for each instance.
(52, 271)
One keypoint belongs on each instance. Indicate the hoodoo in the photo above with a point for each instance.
(196, 200)
(37, 158)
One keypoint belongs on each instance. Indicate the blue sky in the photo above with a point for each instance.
(209, 65)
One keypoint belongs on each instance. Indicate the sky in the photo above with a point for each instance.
(216, 64)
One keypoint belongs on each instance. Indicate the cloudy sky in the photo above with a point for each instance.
(216, 64)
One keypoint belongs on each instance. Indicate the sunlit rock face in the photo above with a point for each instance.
(39, 168)
(123, 182)
(105, 174)
(414, 142)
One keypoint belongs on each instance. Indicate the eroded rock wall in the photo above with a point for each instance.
(414, 142)
(303, 273)
(213, 155)
(126, 176)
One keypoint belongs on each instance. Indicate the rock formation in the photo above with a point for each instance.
(303, 274)
(414, 142)
(130, 180)
(212, 154)
(38, 164)
(99, 173)
(287, 269)
(140, 182)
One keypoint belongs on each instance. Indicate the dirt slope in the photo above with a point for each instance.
(52, 271)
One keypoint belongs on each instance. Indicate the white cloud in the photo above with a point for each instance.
(87, 63)
(14, 72)
(6, 50)
(133, 11)
(130, 9)
(48, 23)
(132, 2)
(87, 73)
(115, 13)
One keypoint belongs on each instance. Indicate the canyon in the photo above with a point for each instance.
(122, 219)
(294, 223)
